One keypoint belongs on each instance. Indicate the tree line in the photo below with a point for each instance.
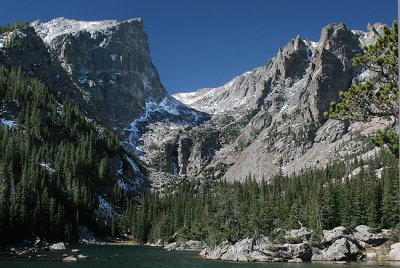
(54, 163)
(214, 211)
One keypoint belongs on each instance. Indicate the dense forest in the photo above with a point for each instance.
(316, 199)
(54, 163)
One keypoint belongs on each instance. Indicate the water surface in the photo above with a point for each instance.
(141, 257)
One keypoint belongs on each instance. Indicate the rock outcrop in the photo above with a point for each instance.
(58, 246)
(338, 244)
(341, 250)
(191, 245)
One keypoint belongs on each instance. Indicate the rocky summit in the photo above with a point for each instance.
(271, 119)
(109, 63)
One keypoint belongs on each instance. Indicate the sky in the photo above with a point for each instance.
(205, 43)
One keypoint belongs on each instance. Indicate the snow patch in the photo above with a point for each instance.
(167, 105)
(134, 166)
(47, 167)
(8, 123)
(61, 26)
(105, 206)
(123, 185)
(309, 54)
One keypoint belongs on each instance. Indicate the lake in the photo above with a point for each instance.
(141, 257)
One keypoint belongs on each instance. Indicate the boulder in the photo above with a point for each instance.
(82, 257)
(394, 254)
(70, 259)
(58, 246)
(257, 256)
(371, 256)
(191, 245)
(367, 239)
(171, 246)
(205, 252)
(261, 243)
(341, 249)
(331, 235)
(239, 252)
(301, 234)
(295, 260)
(75, 250)
(302, 251)
(39, 243)
(218, 251)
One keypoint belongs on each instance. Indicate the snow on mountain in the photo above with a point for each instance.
(7, 123)
(60, 26)
(221, 99)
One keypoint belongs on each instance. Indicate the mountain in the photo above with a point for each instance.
(75, 96)
(271, 119)
(86, 126)
(109, 63)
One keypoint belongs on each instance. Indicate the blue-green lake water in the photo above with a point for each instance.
(140, 256)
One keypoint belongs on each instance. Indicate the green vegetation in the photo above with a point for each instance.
(213, 211)
(53, 165)
(12, 27)
(379, 95)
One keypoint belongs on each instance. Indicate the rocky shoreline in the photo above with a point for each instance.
(41, 250)
(337, 245)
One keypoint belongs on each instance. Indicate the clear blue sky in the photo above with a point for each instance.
(205, 43)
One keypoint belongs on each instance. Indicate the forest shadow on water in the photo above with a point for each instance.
(141, 256)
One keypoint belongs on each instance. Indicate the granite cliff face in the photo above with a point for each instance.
(109, 63)
(272, 118)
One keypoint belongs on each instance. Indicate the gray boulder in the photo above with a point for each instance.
(58, 246)
(257, 256)
(171, 246)
(367, 239)
(295, 260)
(331, 235)
(191, 245)
(341, 249)
(239, 252)
(218, 251)
(301, 234)
(394, 254)
(302, 251)
(70, 259)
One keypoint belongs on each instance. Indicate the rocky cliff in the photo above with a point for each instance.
(272, 119)
(109, 63)
(105, 68)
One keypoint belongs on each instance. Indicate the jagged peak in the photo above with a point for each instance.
(60, 26)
